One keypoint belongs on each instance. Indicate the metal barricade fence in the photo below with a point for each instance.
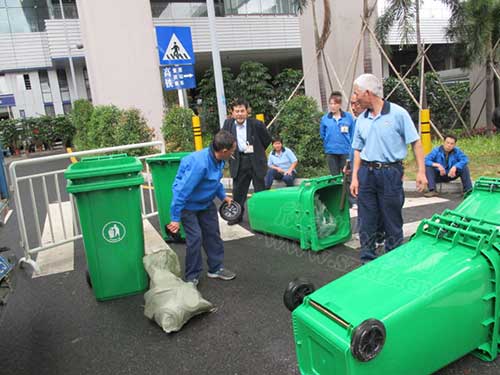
(37, 183)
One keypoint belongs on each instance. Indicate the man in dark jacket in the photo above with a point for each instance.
(250, 162)
(446, 163)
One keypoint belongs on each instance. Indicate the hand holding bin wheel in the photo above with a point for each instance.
(230, 211)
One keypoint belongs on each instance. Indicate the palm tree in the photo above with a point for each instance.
(475, 26)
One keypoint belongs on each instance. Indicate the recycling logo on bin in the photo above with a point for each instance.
(114, 231)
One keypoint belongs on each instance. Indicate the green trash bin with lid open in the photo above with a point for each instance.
(163, 170)
(310, 213)
(107, 191)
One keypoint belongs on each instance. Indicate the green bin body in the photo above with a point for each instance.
(164, 169)
(289, 212)
(436, 295)
(107, 191)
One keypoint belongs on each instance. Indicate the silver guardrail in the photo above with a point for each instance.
(38, 182)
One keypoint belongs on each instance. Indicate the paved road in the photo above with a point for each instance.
(53, 324)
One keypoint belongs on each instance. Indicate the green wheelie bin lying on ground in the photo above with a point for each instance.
(309, 213)
(163, 170)
(414, 310)
(107, 191)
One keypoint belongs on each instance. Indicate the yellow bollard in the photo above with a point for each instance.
(70, 151)
(260, 117)
(198, 142)
(426, 130)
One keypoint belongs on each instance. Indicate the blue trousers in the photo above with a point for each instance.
(202, 228)
(433, 176)
(273, 174)
(380, 198)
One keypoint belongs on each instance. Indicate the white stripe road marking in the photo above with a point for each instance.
(411, 202)
(60, 258)
(408, 230)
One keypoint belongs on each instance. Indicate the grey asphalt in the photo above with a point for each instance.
(54, 325)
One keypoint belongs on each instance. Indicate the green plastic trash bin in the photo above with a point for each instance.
(164, 169)
(107, 191)
(309, 213)
(416, 309)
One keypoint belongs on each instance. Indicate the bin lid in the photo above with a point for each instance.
(105, 185)
(106, 165)
(167, 158)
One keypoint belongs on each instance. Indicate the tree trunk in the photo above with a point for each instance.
(489, 93)
(319, 63)
(420, 50)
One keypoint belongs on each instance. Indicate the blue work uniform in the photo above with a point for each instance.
(337, 139)
(383, 141)
(283, 160)
(455, 158)
(196, 185)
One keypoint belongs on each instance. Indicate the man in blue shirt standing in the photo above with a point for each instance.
(446, 163)
(383, 132)
(282, 162)
(196, 185)
(336, 130)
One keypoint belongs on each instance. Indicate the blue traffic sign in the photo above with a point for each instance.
(175, 45)
(179, 77)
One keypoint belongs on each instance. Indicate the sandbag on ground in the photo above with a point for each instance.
(170, 301)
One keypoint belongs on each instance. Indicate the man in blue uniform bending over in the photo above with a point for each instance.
(446, 163)
(382, 134)
(196, 185)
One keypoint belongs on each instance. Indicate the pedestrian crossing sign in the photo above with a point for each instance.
(175, 45)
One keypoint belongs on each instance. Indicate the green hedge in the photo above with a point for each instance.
(37, 131)
(177, 130)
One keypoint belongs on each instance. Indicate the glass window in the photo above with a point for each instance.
(45, 86)
(22, 113)
(69, 7)
(184, 8)
(4, 22)
(27, 81)
(62, 78)
(50, 110)
(67, 108)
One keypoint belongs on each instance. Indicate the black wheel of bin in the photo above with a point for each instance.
(295, 293)
(87, 277)
(368, 340)
(230, 211)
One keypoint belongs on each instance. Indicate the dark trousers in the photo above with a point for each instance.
(202, 228)
(380, 198)
(273, 174)
(242, 181)
(433, 176)
(336, 163)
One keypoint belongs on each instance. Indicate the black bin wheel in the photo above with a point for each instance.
(295, 293)
(87, 277)
(368, 340)
(230, 211)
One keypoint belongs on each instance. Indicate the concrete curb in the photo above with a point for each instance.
(454, 187)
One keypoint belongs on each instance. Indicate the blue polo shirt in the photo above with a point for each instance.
(337, 135)
(283, 160)
(384, 137)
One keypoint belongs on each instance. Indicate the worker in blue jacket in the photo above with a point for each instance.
(446, 163)
(196, 185)
(336, 130)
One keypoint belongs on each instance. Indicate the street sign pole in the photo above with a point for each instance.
(180, 93)
(219, 83)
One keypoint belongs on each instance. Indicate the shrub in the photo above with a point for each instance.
(254, 84)
(80, 117)
(132, 128)
(177, 130)
(101, 126)
(284, 83)
(299, 127)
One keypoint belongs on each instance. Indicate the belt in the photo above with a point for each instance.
(380, 165)
(243, 154)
